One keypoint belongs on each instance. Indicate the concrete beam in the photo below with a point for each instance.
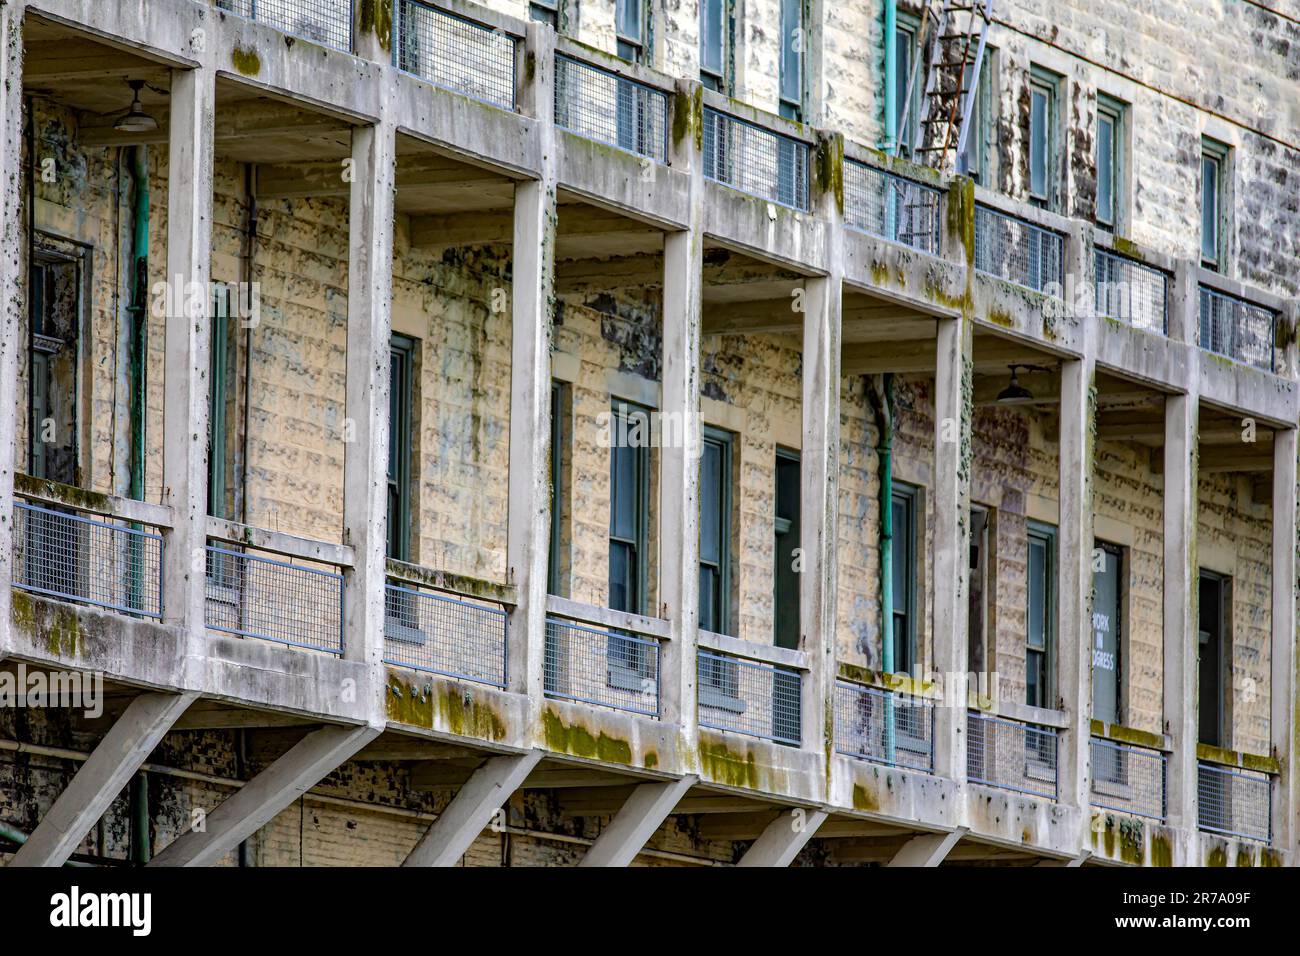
(929, 849)
(471, 810)
(258, 801)
(636, 821)
(100, 780)
(783, 838)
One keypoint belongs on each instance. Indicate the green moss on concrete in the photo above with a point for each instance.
(651, 760)
(1236, 758)
(1269, 857)
(1127, 735)
(458, 583)
(864, 799)
(1244, 856)
(1127, 247)
(721, 764)
(961, 216)
(465, 715)
(688, 117)
(830, 169)
(246, 61)
(1003, 318)
(407, 703)
(1218, 856)
(376, 16)
(578, 741)
(70, 495)
(1162, 849)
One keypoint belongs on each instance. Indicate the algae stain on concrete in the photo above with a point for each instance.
(577, 740)
(721, 764)
(246, 61)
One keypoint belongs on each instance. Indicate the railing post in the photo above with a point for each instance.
(185, 389)
(11, 290)
(530, 386)
(1075, 450)
(820, 455)
(365, 457)
(679, 505)
(1282, 654)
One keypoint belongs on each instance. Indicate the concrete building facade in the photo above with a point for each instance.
(597, 432)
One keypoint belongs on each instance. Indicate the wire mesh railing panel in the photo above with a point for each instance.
(327, 22)
(612, 109)
(1238, 329)
(455, 53)
(1018, 251)
(456, 637)
(755, 160)
(103, 562)
(602, 667)
(1011, 755)
(1132, 293)
(749, 697)
(884, 727)
(254, 596)
(1235, 803)
(891, 207)
(1128, 779)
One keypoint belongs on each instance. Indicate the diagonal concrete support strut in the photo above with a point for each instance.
(783, 839)
(636, 821)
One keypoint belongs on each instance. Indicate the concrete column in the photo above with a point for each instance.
(258, 801)
(185, 386)
(101, 778)
(372, 34)
(1075, 535)
(532, 316)
(472, 809)
(783, 838)
(679, 479)
(11, 286)
(636, 821)
(952, 451)
(820, 462)
(1180, 605)
(365, 455)
(929, 849)
(1282, 688)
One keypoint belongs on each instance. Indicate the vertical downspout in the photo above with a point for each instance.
(891, 74)
(885, 453)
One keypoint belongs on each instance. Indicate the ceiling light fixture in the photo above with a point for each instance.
(136, 120)
(1015, 393)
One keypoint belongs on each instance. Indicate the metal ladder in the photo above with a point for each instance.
(948, 102)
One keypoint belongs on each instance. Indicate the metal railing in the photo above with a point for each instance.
(1131, 292)
(755, 160)
(103, 562)
(445, 634)
(1017, 250)
(601, 105)
(605, 667)
(1128, 779)
(884, 727)
(1238, 329)
(1234, 802)
(255, 596)
(328, 22)
(748, 697)
(891, 206)
(1011, 755)
(456, 53)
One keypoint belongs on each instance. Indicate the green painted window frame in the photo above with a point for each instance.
(794, 19)
(722, 500)
(400, 445)
(559, 434)
(906, 31)
(974, 162)
(1217, 156)
(1115, 113)
(1047, 534)
(1047, 84)
(637, 543)
(218, 369)
(904, 605)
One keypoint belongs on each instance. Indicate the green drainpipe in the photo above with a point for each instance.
(885, 451)
(16, 836)
(891, 75)
(139, 314)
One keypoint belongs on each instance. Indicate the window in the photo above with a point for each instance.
(559, 435)
(792, 45)
(632, 27)
(218, 369)
(903, 584)
(401, 385)
(1213, 658)
(55, 283)
(1110, 162)
(715, 531)
(715, 30)
(1042, 136)
(905, 54)
(786, 601)
(545, 11)
(1107, 631)
(629, 480)
(1214, 166)
(974, 158)
(1040, 615)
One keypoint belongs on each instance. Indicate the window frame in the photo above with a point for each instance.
(726, 442)
(402, 349)
(218, 350)
(977, 141)
(546, 11)
(907, 30)
(554, 571)
(1115, 112)
(1220, 155)
(788, 108)
(1048, 84)
(621, 411)
(1046, 533)
(638, 49)
(1120, 624)
(910, 498)
(721, 81)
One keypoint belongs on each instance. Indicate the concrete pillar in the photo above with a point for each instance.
(783, 838)
(11, 286)
(101, 778)
(929, 849)
(532, 316)
(1074, 535)
(472, 809)
(679, 479)
(952, 451)
(1282, 687)
(258, 801)
(185, 386)
(820, 463)
(365, 455)
(636, 821)
(372, 34)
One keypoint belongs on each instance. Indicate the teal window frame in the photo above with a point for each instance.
(559, 435)
(1214, 178)
(974, 161)
(716, 569)
(218, 369)
(636, 492)
(400, 445)
(1044, 136)
(1111, 162)
(1040, 658)
(633, 30)
(719, 79)
(906, 31)
(906, 500)
(793, 79)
